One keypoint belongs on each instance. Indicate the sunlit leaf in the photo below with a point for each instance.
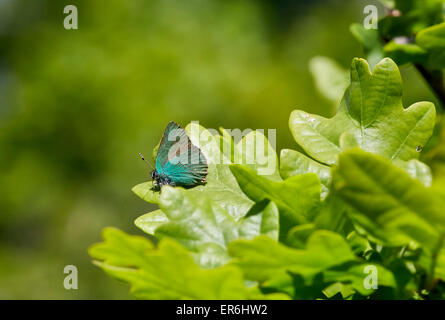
(167, 272)
(388, 196)
(262, 258)
(371, 116)
(330, 78)
(296, 197)
(204, 227)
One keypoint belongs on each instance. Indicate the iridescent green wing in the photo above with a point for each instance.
(179, 159)
(168, 140)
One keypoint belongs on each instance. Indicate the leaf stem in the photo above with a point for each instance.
(435, 81)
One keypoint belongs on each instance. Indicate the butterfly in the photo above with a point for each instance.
(178, 161)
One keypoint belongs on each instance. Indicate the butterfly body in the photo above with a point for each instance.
(161, 180)
(178, 161)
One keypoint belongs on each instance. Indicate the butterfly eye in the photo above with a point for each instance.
(153, 175)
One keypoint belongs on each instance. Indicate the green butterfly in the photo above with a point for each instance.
(178, 161)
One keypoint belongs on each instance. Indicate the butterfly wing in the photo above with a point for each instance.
(167, 143)
(188, 175)
(179, 159)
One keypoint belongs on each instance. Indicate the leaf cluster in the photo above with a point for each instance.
(354, 196)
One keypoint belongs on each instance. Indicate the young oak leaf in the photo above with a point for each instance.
(294, 163)
(427, 51)
(372, 112)
(391, 207)
(403, 53)
(262, 258)
(326, 258)
(387, 196)
(168, 271)
(369, 39)
(346, 279)
(413, 17)
(353, 277)
(149, 222)
(405, 211)
(205, 228)
(371, 116)
(432, 39)
(256, 152)
(330, 79)
(297, 198)
(145, 192)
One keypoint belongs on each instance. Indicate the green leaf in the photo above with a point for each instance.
(370, 40)
(221, 186)
(347, 279)
(354, 277)
(345, 290)
(331, 214)
(358, 243)
(372, 112)
(298, 235)
(262, 258)
(391, 205)
(388, 3)
(296, 197)
(433, 40)
(405, 53)
(371, 116)
(330, 78)
(222, 189)
(167, 272)
(260, 220)
(417, 170)
(256, 152)
(309, 132)
(422, 19)
(439, 271)
(294, 163)
(149, 222)
(205, 228)
(227, 145)
(414, 16)
(120, 249)
(253, 150)
(348, 141)
(435, 157)
(145, 192)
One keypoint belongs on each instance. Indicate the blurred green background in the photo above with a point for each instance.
(76, 107)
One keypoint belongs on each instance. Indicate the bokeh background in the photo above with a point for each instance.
(76, 107)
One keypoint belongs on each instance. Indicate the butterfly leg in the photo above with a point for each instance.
(156, 186)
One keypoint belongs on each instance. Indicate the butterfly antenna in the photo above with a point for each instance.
(148, 163)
